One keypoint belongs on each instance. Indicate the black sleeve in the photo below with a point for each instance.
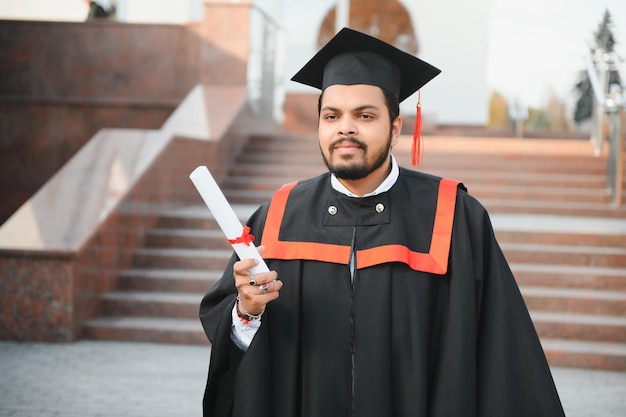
(513, 376)
(215, 315)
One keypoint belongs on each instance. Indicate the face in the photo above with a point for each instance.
(355, 133)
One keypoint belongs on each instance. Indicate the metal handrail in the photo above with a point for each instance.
(609, 105)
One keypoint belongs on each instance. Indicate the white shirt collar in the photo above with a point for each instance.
(384, 186)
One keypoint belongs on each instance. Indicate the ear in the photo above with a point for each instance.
(396, 129)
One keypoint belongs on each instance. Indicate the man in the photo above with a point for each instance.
(388, 294)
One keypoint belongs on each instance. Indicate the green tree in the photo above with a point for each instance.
(604, 41)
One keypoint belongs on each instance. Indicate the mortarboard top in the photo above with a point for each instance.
(352, 57)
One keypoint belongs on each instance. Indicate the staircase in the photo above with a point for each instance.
(552, 214)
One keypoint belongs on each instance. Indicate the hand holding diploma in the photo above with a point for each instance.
(256, 284)
(255, 290)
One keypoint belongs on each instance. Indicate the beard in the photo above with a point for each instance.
(358, 168)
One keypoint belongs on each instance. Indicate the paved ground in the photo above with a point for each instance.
(113, 379)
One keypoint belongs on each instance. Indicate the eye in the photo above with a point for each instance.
(330, 116)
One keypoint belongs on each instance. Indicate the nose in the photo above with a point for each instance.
(347, 127)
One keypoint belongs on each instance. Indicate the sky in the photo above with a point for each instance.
(538, 47)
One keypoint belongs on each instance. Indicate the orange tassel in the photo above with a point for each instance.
(417, 149)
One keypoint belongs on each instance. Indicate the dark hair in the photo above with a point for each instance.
(393, 105)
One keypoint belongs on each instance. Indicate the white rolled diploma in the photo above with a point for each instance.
(225, 216)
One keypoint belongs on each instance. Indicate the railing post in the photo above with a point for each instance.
(597, 67)
(615, 167)
(608, 106)
(611, 167)
(618, 156)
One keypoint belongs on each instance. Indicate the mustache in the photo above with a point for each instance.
(350, 139)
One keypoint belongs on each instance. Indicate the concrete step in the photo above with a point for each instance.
(563, 237)
(291, 172)
(478, 176)
(569, 276)
(199, 217)
(538, 192)
(589, 327)
(188, 238)
(585, 354)
(173, 258)
(168, 280)
(146, 329)
(536, 253)
(575, 300)
(151, 304)
(536, 207)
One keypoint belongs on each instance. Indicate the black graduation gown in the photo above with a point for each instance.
(395, 340)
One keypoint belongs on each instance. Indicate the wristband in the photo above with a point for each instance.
(242, 313)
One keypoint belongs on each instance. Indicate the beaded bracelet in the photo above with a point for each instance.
(241, 312)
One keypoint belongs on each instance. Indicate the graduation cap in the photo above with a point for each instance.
(352, 57)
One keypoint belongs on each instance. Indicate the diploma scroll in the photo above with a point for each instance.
(228, 221)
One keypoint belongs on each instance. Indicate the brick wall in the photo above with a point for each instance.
(61, 82)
